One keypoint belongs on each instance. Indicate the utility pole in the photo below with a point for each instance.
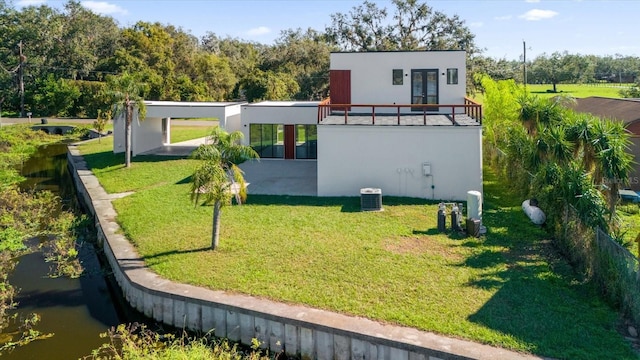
(524, 64)
(21, 78)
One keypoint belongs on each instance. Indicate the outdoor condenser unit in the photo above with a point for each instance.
(370, 199)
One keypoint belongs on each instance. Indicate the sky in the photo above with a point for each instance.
(502, 28)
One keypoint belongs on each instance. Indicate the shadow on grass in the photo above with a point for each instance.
(538, 297)
(347, 204)
(141, 262)
(107, 159)
(453, 235)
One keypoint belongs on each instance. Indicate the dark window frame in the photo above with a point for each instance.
(397, 77)
(452, 76)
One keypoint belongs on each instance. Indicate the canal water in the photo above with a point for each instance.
(75, 311)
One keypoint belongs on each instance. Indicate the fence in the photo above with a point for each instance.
(616, 270)
(591, 251)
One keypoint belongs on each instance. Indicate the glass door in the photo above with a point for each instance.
(424, 88)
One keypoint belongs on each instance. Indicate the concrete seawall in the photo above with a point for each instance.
(297, 330)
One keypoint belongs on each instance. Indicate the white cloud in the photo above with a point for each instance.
(476, 24)
(24, 3)
(532, 1)
(505, 17)
(537, 14)
(103, 7)
(260, 30)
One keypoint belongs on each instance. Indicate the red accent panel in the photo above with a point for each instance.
(289, 141)
(340, 87)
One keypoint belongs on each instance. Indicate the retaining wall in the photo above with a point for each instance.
(297, 330)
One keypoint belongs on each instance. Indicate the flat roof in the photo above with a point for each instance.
(192, 103)
(286, 103)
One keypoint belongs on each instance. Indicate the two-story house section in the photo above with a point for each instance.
(399, 121)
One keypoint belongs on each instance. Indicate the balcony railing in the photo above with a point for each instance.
(470, 108)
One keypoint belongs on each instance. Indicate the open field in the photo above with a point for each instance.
(508, 289)
(578, 90)
(574, 90)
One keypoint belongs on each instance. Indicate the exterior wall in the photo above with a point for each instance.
(176, 109)
(232, 118)
(118, 134)
(147, 135)
(371, 74)
(273, 112)
(391, 158)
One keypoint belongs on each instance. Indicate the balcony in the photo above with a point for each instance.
(467, 114)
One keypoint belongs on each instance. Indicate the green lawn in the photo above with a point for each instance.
(578, 90)
(630, 219)
(575, 90)
(182, 133)
(508, 289)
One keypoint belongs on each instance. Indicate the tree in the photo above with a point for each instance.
(125, 91)
(99, 124)
(413, 26)
(219, 178)
(613, 161)
(271, 85)
(553, 69)
(304, 55)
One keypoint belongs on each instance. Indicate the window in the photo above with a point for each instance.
(267, 140)
(306, 142)
(452, 76)
(397, 76)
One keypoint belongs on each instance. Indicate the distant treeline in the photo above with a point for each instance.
(54, 62)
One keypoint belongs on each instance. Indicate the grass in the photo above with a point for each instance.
(630, 219)
(508, 289)
(183, 133)
(575, 90)
(578, 90)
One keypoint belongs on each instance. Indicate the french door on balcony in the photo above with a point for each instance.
(424, 88)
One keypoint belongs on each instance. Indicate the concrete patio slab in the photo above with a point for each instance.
(281, 177)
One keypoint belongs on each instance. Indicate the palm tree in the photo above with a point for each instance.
(125, 91)
(611, 142)
(219, 178)
(581, 132)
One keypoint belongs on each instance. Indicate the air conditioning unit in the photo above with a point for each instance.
(370, 199)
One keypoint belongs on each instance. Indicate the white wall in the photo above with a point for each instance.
(352, 157)
(371, 74)
(118, 134)
(147, 135)
(177, 109)
(272, 112)
(232, 118)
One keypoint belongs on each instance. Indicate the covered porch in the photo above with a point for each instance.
(154, 131)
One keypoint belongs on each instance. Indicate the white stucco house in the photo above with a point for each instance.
(408, 128)
(398, 121)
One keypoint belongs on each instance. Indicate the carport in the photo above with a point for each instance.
(154, 131)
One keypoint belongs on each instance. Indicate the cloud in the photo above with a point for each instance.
(537, 14)
(24, 3)
(476, 24)
(260, 30)
(505, 17)
(103, 7)
(532, 1)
